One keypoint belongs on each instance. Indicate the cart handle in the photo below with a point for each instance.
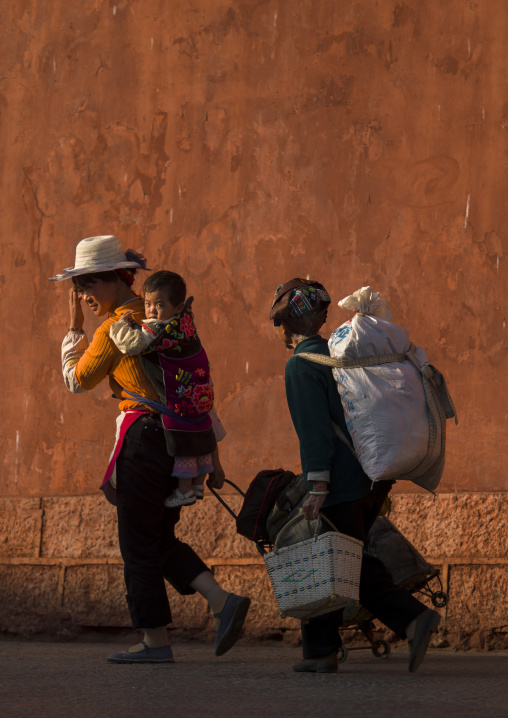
(221, 500)
(259, 547)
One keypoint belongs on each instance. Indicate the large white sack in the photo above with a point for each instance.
(385, 405)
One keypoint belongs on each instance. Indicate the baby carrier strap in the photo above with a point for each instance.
(157, 406)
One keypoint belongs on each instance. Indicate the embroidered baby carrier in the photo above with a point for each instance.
(178, 367)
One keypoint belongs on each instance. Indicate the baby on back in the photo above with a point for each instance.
(177, 365)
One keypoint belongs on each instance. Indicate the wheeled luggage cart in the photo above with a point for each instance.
(409, 570)
(407, 566)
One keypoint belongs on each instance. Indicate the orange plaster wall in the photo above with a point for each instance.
(241, 143)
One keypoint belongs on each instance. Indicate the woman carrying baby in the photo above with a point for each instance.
(138, 478)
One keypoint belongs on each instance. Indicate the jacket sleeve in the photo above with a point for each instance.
(73, 348)
(307, 398)
(129, 340)
(96, 360)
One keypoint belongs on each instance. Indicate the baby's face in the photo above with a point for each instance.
(158, 306)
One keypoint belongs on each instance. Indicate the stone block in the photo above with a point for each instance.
(46, 597)
(94, 595)
(211, 530)
(79, 527)
(472, 524)
(478, 598)
(29, 598)
(20, 528)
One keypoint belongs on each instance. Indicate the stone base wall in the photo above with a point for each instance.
(60, 567)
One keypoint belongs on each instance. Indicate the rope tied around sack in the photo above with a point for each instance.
(361, 362)
(427, 370)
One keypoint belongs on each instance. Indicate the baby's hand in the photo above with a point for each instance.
(127, 317)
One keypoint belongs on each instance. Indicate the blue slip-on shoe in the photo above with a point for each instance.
(426, 623)
(163, 654)
(231, 618)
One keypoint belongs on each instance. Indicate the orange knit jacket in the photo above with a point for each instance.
(102, 359)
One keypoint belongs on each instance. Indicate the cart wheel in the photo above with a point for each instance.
(381, 649)
(439, 599)
(342, 654)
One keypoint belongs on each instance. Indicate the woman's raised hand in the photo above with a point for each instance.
(75, 310)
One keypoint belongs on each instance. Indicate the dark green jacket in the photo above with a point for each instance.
(314, 403)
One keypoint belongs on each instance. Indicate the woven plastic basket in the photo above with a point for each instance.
(315, 576)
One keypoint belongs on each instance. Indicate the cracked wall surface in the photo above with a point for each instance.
(241, 143)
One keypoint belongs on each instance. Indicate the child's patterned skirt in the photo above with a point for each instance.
(189, 467)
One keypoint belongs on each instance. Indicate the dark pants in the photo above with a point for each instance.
(146, 528)
(395, 607)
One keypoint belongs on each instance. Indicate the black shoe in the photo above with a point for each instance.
(324, 664)
(426, 623)
(231, 619)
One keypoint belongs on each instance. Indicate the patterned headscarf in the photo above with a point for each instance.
(298, 298)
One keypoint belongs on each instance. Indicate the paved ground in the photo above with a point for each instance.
(73, 679)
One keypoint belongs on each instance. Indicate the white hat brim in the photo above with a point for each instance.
(76, 272)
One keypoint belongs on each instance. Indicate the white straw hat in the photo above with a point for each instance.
(101, 254)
